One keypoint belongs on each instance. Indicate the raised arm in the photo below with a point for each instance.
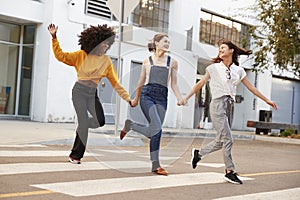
(252, 89)
(69, 58)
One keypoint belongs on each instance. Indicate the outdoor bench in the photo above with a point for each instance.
(266, 127)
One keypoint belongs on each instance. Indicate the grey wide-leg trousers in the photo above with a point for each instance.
(221, 111)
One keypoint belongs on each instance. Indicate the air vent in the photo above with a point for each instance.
(98, 8)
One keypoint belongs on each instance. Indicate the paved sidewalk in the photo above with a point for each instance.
(17, 132)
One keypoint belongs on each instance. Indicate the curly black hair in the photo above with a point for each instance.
(94, 35)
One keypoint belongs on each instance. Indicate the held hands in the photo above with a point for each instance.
(134, 102)
(182, 102)
(52, 30)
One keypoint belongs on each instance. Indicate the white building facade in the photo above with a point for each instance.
(38, 87)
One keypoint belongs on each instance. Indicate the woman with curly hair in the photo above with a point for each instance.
(91, 65)
(224, 74)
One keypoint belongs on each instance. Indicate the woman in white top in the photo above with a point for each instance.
(224, 75)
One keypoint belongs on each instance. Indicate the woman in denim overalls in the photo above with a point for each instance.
(152, 91)
(224, 75)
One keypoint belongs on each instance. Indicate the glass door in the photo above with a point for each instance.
(9, 57)
(26, 70)
(16, 56)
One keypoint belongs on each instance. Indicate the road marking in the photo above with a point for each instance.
(22, 194)
(24, 168)
(39, 153)
(215, 165)
(271, 173)
(163, 157)
(120, 151)
(22, 145)
(135, 154)
(118, 185)
(290, 194)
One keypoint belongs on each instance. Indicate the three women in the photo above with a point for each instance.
(158, 71)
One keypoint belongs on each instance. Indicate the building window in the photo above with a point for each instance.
(152, 14)
(98, 8)
(16, 63)
(214, 27)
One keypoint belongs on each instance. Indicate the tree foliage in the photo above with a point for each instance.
(278, 36)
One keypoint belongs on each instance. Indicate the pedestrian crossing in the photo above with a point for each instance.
(117, 160)
(26, 168)
(118, 185)
(289, 194)
(38, 153)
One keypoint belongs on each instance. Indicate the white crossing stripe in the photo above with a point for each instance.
(39, 153)
(22, 145)
(215, 165)
(290, 194)
(163, 157)
(135, 154)
(119, 151)
(23, 168)
(118, 185)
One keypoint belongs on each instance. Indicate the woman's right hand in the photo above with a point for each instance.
(52, 30)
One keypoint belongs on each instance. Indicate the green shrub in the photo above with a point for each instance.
(288, 132)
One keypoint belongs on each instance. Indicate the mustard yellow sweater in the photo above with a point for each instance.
(91, 67)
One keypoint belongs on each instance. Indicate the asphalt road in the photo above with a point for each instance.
(270, 170)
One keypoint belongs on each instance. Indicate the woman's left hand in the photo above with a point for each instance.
(182, 102)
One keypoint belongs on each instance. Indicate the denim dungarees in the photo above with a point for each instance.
(153, 102)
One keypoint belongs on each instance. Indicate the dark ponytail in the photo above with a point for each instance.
(156, 38)
(151, 46)
(236, 53)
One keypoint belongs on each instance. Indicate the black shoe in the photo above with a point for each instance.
(232, 177)
(195, 157)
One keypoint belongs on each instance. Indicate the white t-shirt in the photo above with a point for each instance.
(220, 83)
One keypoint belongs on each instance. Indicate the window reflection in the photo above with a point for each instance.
(214, 27)
(8, 77)
(15, 77)
(29, 32)
(10, 32)
(152, 14)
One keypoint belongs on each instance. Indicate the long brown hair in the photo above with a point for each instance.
(236, 53)
(156, 38)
